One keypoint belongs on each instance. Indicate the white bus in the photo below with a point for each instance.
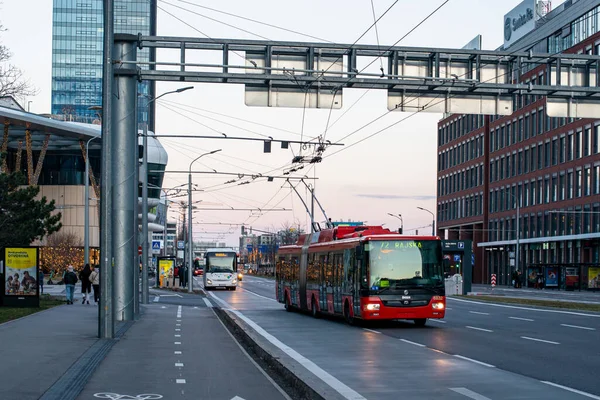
(221, 269)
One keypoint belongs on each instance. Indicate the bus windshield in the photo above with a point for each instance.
(220, 262)
(398, 264)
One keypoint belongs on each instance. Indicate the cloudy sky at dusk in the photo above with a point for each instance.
(393, 171)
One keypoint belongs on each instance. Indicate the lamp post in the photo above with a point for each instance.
(518, 235)
(144, 244)
(399, 216)
(433, 223)
(190, 241)
(86, 211)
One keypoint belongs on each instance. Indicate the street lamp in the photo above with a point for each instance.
(517, 252)
(144, 244)
(433, 223)
(190, 242)
(399, 216)
(86, 212)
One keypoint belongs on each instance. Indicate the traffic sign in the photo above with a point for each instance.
(493, 280)
(156, 245)
(461, 245)
(180, 245)
(139, 250)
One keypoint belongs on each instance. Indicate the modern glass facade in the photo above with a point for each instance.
(77, 35)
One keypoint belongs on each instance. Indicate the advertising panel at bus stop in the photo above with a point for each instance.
(165, 270)
(20, 277)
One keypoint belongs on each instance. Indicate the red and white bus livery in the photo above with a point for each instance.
(363, 272)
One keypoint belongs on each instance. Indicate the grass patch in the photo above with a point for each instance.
(535, 302)
(10, 313)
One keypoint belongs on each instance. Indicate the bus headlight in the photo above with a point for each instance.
(209, 281)
(437, 306)
(372, 307)
(234, 280)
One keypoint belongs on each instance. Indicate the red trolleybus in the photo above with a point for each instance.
(363, 272)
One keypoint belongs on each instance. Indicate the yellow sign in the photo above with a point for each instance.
(594, 278)
(165, 268)
(20, 278)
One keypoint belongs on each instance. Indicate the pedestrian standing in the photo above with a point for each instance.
(70, 279)
(86, 285)
(95, 280)
(41, 281)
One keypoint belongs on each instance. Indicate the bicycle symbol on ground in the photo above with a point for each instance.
(116, 396)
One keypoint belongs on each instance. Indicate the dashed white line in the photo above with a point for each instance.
(525, 308)
(474, 361)
(469, 393)
(578, 327)
(177, 335)
(539, 340)
(371, 330)
(479, 329)
(177, 330)
(521, 319)
(413, 343)
(177, 352)
(177, 342)
(437, 320)
(179, 364)
(179, 380)
(591, 396)
(480, 313)
(156, 299)
(207, 302)
(177, 324)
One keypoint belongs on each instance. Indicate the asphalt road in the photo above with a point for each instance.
(517, 347)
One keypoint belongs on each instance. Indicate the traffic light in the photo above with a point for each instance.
(243, 231)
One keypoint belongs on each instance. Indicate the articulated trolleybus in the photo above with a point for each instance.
(364, 273)
(221, 269)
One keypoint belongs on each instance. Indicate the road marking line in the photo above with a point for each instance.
(371, 330)
(156, 299)
(469, 393)
(163, 307)
(177, 324)
(177, 342)
(258, 295)
(448, 308)
(179, 364)
(480, 313)
(179, 380)
(578, 327)
(521, 319)
(413, 343)
(437, 320)
(539, 340)
(346, 391)
(207, 302)
(177, 335)
(525, 308)
(177, 330)
(177, 352)
(474, 361)
(178, 320)
(479, 329)
(591, 396)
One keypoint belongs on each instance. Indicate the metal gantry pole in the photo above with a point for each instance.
(144, 243)
(123, 146)
(190, 241)
(106, 326)
(517, 252)
(136, 228)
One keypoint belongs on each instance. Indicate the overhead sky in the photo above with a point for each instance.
(391, 172)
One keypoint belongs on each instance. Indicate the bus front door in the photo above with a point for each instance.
(302, 277)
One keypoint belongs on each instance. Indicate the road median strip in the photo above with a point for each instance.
(535, 302)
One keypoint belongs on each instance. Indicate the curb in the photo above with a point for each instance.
(72, 382)
(298, 382)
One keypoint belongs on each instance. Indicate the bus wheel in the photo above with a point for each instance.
(287, 305)
(233, 288)
(313, 308)
(420, 321)
(347, 317)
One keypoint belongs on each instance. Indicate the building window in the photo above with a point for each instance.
(555, 151)
(570, 146)
(596, 180)
(587, 180)
(587, 142)
(570, 185)
(554, 188)
(562, 186)
(546, 190)
(547, 154)
(596, 146)
(578, 144)
(578, 183)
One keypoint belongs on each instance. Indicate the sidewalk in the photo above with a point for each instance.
(38, 349)
(543, 294)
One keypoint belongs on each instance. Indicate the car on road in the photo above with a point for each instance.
(198, 271)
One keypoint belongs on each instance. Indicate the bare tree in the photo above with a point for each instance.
(62, 249)
(12, 80)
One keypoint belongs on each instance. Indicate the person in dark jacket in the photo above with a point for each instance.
(86, 284)
(70, 280)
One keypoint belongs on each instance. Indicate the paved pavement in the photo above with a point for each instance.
(37, 350)
(480, 350)
(540, 294)
(179, 352)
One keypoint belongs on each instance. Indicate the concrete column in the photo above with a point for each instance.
(124, 165)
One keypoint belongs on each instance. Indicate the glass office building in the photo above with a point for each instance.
(77, 35)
